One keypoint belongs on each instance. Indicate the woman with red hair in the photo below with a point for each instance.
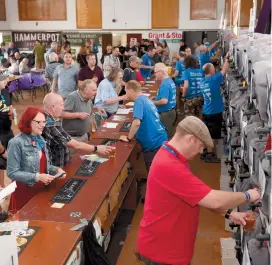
(27, 160)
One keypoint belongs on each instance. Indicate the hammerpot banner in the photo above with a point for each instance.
(25, 41)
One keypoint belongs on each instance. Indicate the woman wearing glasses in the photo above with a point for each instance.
(28, 160)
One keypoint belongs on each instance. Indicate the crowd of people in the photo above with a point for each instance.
(51, 136)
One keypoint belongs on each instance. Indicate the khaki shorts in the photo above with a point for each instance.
(193, 106)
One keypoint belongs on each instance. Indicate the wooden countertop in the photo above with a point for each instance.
(103, 133)
(88, 199)
(47, 246)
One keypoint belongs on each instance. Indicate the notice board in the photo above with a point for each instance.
(42, 10)
(2, 10)
(89, 14)
(203, 9)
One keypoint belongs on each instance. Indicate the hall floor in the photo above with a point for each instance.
(211, 226)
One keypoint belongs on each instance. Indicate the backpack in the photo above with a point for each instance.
(93, 252)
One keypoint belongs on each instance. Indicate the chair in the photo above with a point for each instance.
(13, 89)
(25, 83)
(38, 80)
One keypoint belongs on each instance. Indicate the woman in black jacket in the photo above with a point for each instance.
(107, 52)
(81, 57)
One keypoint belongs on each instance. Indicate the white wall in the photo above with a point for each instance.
(4, 25)
(130, 15)
(186, 24)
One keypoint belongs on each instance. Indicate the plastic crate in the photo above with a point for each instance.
(228, 248)
(224, 185)
(230, 261)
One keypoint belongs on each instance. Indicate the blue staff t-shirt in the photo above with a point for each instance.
(193, 76)
(146, 60)
(213, 50)
(204, 58)
(180, 68)
(151, 133)
(213, 100)
(167, 90)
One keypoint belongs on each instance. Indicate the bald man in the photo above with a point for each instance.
(58, 141)
(165, 100)
(206, 53)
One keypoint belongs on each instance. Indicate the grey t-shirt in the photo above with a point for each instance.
(66, 78)
(75, 103)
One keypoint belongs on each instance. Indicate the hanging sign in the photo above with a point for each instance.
(25, 41)
(169, 36)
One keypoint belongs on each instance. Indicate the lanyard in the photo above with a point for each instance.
(169, 149)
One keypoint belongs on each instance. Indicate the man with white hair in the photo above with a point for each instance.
(112, 61)
(213, 106)
(54, 48)
(205, 53)
(169, 226)
(58, 141)
(77, 112)
(50, 68)
(166, 98)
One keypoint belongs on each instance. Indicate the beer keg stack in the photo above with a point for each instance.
(246, 162)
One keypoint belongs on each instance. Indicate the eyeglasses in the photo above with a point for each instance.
(157, 71)
(40, 122)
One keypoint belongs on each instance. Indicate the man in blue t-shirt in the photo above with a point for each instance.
(207, 44)
(213, 105)
(206, 54)
(166, 98)
(146, 125)
(146, 66)
(180, 68)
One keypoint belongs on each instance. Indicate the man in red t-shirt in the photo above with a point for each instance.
(169, 225)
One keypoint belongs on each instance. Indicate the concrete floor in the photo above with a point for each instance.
(211, 226)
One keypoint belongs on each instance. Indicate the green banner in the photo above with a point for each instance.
(79, 38)
(6, 38)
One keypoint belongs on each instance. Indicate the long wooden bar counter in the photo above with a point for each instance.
(102, 133)
(53, 244)
(112, 186)
(91, 195)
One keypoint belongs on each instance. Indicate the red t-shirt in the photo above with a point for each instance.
(139, 76)
(169, 225)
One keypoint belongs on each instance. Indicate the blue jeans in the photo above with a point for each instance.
(149, 262)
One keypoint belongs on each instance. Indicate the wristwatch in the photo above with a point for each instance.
(95, 148)
(227, 215)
